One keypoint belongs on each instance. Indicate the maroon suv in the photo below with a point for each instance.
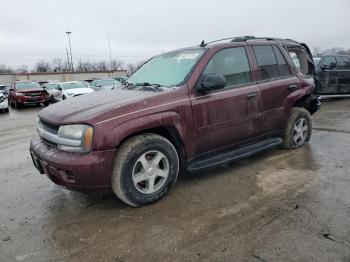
(27, 93)
(188, 109)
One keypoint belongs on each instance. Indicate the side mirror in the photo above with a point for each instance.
(212, 82)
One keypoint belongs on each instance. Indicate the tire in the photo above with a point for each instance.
(6, 110)
(63, 97)
(17, 105)
(132, 157)
(46, 104)
(299, 129)
(11, 104)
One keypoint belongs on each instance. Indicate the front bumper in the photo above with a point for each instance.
(91, 171)
(4, 105)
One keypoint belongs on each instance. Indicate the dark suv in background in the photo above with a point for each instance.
(333, 75)
(188, 110)
(27, 93)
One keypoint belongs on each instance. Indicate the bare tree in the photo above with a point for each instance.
(5, 69)
(316, 51)
(116, 64)
(42, 66)
(131, 68)
(58, 65)
(23, 69)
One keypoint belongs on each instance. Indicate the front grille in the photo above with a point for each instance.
(48, 127)
(34, 94)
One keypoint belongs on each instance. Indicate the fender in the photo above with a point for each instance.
(120, 132)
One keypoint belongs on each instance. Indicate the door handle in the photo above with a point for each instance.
(251, 96)
(292, 87)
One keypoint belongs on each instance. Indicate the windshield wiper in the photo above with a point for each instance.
(146, 86)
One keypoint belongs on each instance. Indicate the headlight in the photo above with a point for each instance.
(81, 133)
(19, 94)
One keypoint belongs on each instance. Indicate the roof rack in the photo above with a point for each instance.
(243, 38)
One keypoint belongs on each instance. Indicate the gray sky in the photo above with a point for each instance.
(35, 29)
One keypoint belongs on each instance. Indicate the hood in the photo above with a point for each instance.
(77, 91)
(81, 109)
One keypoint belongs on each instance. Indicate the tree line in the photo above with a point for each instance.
(60, 65)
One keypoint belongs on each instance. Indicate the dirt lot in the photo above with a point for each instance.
(278, 206)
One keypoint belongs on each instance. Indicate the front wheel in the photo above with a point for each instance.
(146, 167)
(299, 128)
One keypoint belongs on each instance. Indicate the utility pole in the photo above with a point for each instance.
(68, 63)
(70, 49)
(110, 51)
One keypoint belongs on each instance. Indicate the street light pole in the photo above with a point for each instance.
(70, 49)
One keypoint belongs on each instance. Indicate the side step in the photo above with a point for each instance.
(333, 96)
(233, 155)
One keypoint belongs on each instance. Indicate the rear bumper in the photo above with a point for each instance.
(82, 172)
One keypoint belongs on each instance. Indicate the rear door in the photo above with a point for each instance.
(343, 74)
(328, 76)
(230, 115)
(276, 83)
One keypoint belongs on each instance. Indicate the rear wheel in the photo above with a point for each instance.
(299, 128)
(146, 167)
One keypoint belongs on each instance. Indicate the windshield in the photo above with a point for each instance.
(72, 85)
(167, 70)
(110, 83)
(28, 85)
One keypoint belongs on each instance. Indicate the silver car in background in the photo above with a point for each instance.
(68, 90)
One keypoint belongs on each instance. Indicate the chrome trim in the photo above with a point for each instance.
(56, 139)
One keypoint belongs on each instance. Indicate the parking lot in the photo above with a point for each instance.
(280, 205)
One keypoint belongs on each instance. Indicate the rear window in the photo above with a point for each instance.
(302, 61)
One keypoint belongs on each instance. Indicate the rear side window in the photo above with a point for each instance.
(343, 62)
(267, 62)
(233, 64)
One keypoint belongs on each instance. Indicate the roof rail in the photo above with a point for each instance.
(243, 38)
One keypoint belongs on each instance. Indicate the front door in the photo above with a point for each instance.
(230, 115)
(343, 74)
(328, 76)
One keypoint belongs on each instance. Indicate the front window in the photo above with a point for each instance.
(233, 64)
(29, 85)
(167, 70)
(73, 85)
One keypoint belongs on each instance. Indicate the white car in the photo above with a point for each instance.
(68, 90)
(51, 89)
(4, 106)
(105, 84)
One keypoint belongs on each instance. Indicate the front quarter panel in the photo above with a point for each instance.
(137, 118)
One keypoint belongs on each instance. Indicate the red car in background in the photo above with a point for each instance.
(27, 93)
